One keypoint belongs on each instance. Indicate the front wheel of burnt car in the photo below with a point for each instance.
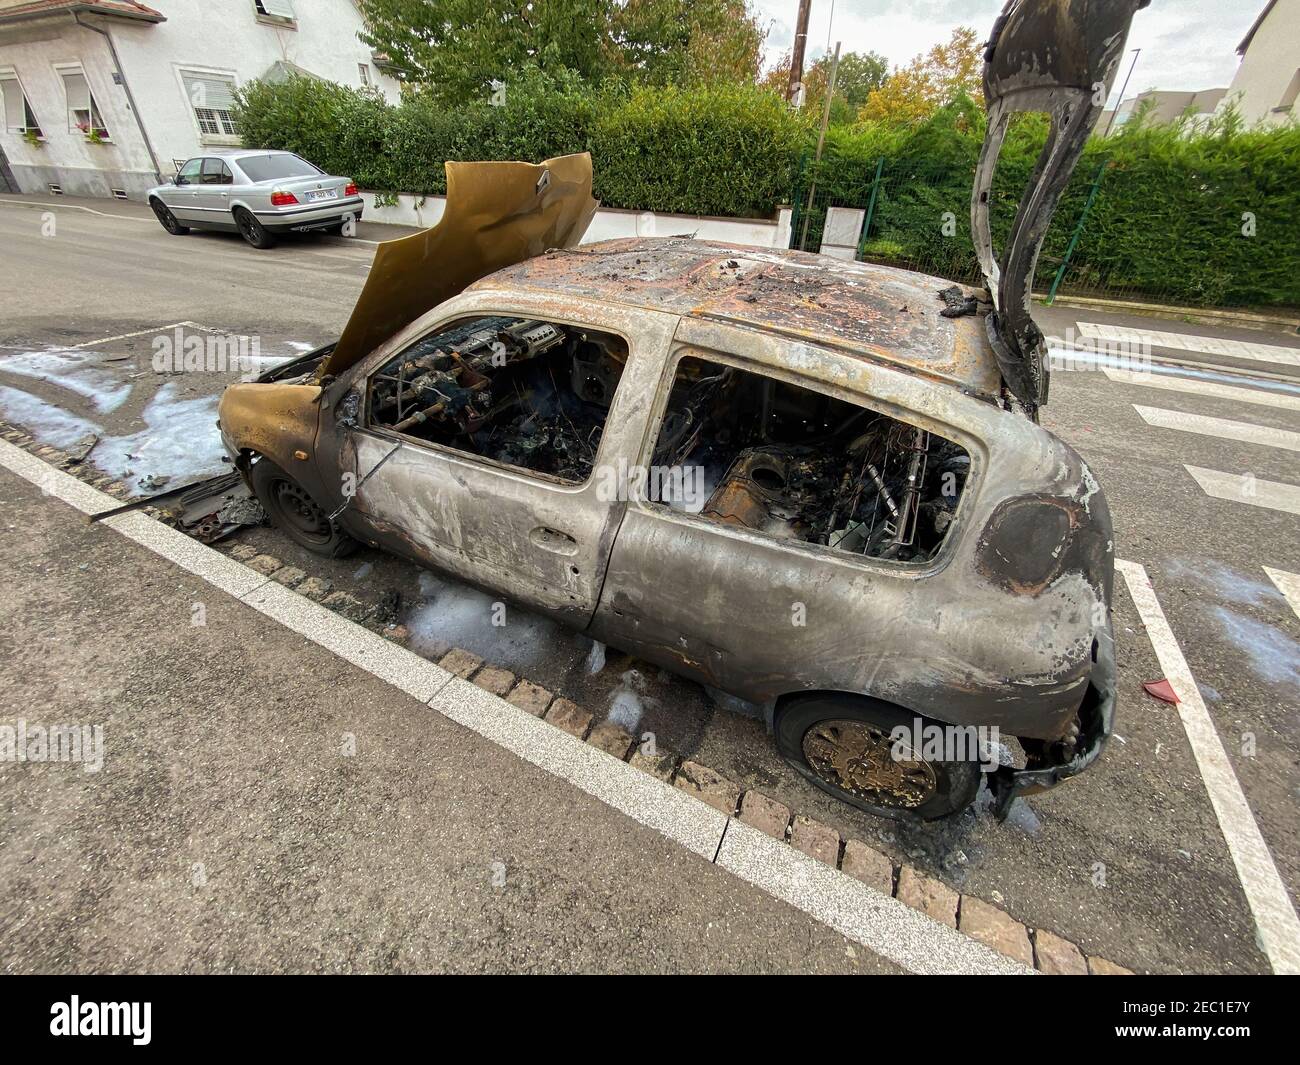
(294, 512)
(861, 751)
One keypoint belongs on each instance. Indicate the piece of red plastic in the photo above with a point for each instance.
(1161, 689)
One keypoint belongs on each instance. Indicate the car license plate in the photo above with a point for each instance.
(322, 194)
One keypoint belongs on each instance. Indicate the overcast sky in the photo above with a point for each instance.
(1186, 44)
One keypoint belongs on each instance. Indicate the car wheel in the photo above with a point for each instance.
(842, 744)
(167, 219)
(252, 230)
(293, 511)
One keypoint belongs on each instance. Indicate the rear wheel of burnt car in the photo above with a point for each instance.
(166, 219)
(861, 751)
(252, 230)
(294, 512)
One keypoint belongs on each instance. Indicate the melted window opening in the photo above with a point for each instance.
(747, 450)
(521, 391)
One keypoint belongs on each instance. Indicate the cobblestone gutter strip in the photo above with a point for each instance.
(995, 928)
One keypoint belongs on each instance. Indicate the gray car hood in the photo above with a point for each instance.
(1057, 57)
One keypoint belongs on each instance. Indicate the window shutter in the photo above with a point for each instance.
(78, 92)
(15, 116)
(280, 8)
(214, 93)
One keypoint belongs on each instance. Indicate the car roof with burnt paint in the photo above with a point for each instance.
(876, 312)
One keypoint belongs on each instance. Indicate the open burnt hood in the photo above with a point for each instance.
(497, 214)
(1057, 57)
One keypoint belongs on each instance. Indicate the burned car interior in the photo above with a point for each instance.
(798, 464)
(743, 449)
(523, 392)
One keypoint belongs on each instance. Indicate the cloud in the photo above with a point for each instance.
(1188, 45)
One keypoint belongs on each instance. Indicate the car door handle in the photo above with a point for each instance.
(553, 540)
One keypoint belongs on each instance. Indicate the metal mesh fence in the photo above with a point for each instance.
(918, 217)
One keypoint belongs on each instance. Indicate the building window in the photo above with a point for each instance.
(83, 112)
(364, 70)
(277, 11)
(213, 98)
(18, 112)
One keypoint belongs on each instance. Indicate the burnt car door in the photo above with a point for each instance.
(782, 511)
(476, 445)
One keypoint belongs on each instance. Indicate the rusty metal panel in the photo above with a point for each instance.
(496, 214)
(877, 312)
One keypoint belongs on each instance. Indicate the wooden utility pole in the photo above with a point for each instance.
(797, 52)
(821, 141)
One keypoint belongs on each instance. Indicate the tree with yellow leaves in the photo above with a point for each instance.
(929, 81)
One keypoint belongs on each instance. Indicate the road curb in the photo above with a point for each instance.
(847, 862)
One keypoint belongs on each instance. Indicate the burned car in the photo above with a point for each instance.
(817, 485)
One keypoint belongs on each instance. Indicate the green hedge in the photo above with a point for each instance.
(726, 151)
(1166, 224)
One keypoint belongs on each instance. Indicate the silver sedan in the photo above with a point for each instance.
(255, 193)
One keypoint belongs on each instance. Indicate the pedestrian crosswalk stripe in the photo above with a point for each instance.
(1246, 488)
(1288, 584)
(1236, 349)
(1262, 397)
(1220, 428)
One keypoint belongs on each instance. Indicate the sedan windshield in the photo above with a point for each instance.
(273, 167)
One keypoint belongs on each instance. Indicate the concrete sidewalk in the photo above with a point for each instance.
(265, 806)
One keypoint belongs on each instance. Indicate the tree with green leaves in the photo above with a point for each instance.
(457, 49)
(859, 74)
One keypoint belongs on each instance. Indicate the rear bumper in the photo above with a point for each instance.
(314, 216)
(1096, 721)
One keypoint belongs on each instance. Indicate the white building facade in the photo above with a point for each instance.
(106, 97)
(1267, 83)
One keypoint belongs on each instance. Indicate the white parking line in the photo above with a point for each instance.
(1237, 349)
(877, 922)
(1219, 428)
(1275, 918)
(1247, 488)
(1288, 584)
(139, 333)
(76, 207)
(1261, 397)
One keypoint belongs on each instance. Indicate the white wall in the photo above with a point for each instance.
(218, 36)
(225, 37)
(1268, 67)
(609, 222)
(65, 156)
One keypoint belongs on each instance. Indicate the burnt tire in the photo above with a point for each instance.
(166, 219)
(810, 726)
(252, 230)
(295, 513)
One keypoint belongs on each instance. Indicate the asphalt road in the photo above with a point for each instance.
(1129, 860)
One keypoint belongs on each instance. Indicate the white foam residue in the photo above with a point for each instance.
(179, 442)
(48, 423)
(455, 615)
(627, 704)
(77, 371)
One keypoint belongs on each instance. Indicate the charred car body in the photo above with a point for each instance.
(817, 485)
